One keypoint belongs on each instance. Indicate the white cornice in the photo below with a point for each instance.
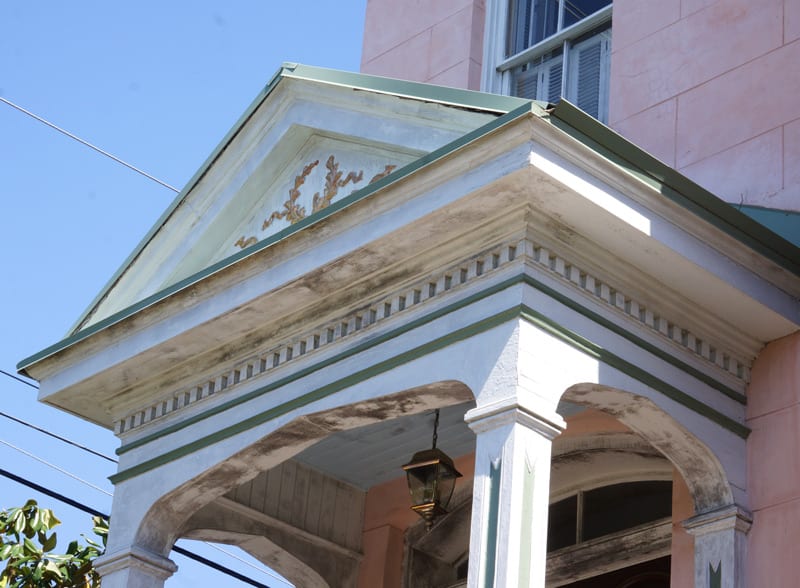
(678, 338)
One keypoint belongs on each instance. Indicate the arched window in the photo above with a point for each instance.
(590, 514)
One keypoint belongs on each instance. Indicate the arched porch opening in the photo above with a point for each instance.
(696, 462)
(312, 522)
(615, 442)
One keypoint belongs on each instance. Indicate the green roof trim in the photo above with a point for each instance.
(564, 116)
(785, 223)
(458, 97)
(358, 195)
(675, 186)
(468, 99)
(554, 328)
(521, 311)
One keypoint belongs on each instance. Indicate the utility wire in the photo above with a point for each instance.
(244, 561)
(55, 467)
(87, 509)
(39, 429)
(17, 378)
(59, 437)
(90, 485)
(45, 431)
(87, 144)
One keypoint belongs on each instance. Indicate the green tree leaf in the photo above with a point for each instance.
(31, 563)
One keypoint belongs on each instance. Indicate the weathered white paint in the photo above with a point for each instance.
(591, 232)
(720, 546)
(508, 538)
(134, 568)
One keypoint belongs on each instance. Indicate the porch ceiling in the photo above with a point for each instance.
(375, 454)
(371, 455)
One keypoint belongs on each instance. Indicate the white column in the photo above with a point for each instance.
(508, 538)
(720, 538)
(134, 568)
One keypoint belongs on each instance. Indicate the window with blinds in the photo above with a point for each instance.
(558, 48)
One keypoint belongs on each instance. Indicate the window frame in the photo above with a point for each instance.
(497, 68)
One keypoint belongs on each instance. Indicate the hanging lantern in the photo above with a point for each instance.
(431, 480)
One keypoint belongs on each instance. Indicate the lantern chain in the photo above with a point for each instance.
(436, 428)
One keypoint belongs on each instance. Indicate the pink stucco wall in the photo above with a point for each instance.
(773, 463)
(387, 515)
(439, 41)
(710, 87)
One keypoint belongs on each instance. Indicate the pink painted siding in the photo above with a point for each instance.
(438, 42)
(724, 73)
(708, 86)
(773, 452)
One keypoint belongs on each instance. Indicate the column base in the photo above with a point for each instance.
(134, 568)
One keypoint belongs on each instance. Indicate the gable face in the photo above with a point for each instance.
(302, 147)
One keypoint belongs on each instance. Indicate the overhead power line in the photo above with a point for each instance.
(55, 467)
(45, 431)
(18, 379)
(59, 437)
(87, 509)
(87, 144)
(93, 452)
(89, 484)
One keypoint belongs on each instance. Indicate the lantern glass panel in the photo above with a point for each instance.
(422, 483)
(447, 482)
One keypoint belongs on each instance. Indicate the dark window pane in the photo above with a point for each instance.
(621, 506)
(562, 521)
(462, 569)
(576, 10)
(530, 21)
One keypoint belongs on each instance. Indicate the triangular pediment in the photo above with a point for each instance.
(310, 139)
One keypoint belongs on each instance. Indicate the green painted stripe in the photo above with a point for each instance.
(389, 335)
(785, 223)
(525, 312)
(490, 549)
(715, 576)
(281, 235)
(528, 314)
(638, 341)
(675, 186)
(319, 393)
(378, 340)
(526, 540)
(593, 350)
(452, 96)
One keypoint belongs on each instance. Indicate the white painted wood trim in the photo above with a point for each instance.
(730, 367)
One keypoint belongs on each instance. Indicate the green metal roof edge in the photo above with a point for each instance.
(419, 91)
(181, 195)
(785, 223)
(675, 186)
(399, 174)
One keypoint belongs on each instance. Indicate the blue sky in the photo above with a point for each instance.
(157, 84)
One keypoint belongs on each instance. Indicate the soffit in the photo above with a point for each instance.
(466, 196)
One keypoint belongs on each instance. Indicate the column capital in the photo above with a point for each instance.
(146, 562)
(724, 518)
(513, 410)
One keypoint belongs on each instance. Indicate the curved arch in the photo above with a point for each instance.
(604, 459)
(698, 465)
(268, 553)
(160, 527)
